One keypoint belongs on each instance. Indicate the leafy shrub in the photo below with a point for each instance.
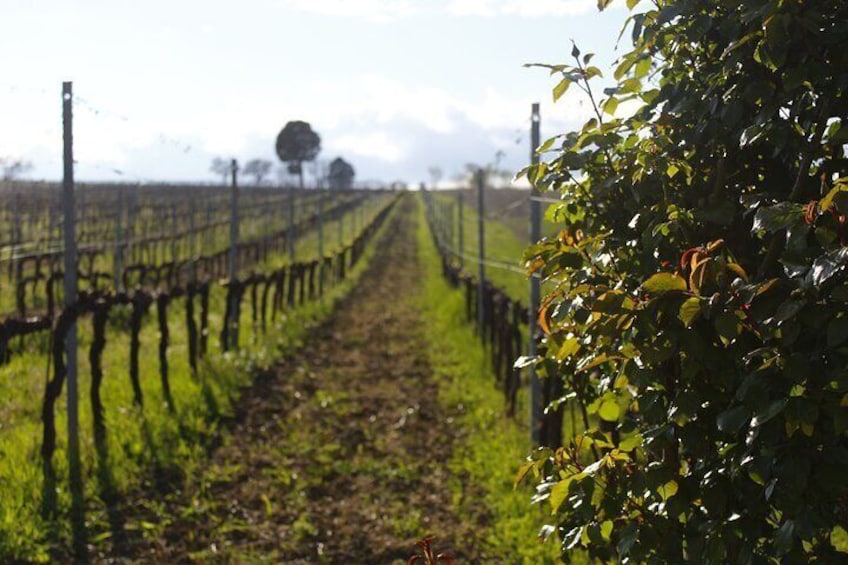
(700, 309)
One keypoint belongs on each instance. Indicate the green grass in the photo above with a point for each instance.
(150, 448)
(491, 447)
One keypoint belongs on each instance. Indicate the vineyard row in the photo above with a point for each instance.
(501, 321)
(35, 276)
(289, 286)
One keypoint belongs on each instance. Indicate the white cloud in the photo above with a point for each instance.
(381, 145)
(382, 11)
(389, 100)
(496, 111)
(471, 8)
(521, 8)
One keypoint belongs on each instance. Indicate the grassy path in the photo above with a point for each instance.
(385, 427)
(339, 453)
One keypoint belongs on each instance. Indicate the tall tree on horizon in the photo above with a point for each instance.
(297, 143)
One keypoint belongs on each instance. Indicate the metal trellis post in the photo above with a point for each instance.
(70, 284)
(536, 408)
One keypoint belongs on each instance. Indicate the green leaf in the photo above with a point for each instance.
(611, 105)
(561, 88)
(627, 539)
(664, 282)
(672, 170)
(769, 412)
(731, 421)
(668, 490)
(777, 217)
(826, 266)
(602, 4)
(643, 67)
(592, 72)
(632, 4)
(626, 64)
(631, 442)
(839, 539)
(789, 309)
(523, 471)
(727, 326)
(828, 199)
(690, 310)
(559, 493)
(547, 144)
(609, 411)
(784, 537)
(631, 85)
(569, 347)
(591, 362)
(606, 529)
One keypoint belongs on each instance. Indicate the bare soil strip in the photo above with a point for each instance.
(339, 453)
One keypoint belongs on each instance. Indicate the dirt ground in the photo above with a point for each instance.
(338, 454)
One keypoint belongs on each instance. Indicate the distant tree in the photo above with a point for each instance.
(221, 167)
(13, 168)
(341, 175)
(258, 169)
(297, 143)
(494, 176)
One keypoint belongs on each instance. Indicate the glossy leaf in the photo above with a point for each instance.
(690, 311)
(777, 217)
(731, 421)
(561, 88)
(609, 411)
(664, 282)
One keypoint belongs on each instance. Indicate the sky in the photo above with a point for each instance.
(395, 87)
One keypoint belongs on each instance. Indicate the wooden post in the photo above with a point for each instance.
(233, 258)
(340, 215)
(17, 235)
(481, 252)
(209, 230)
(192, 242)
(290, 231)
(119, 232)
(320, 224)
(536, 407)
(460, 229)
(353, 215)
(129, 233)
(175, 229)
(451, 223)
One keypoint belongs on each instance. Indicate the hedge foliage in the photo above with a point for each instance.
(700, 312)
